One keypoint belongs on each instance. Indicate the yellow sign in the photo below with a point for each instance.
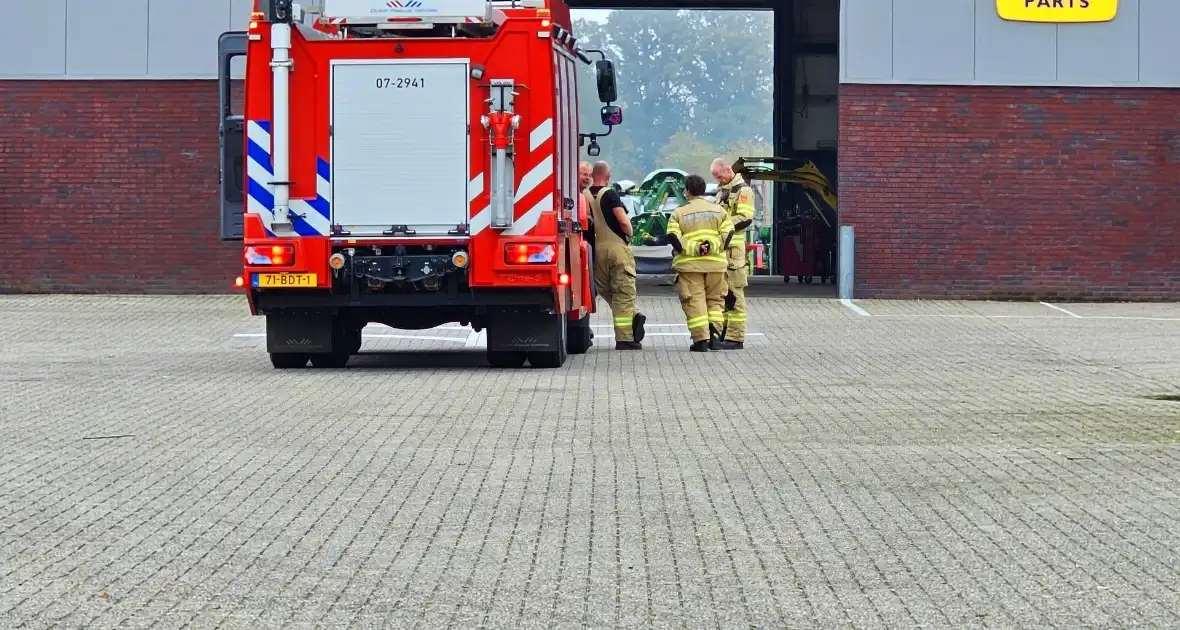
(284, 280)
(1057, 11)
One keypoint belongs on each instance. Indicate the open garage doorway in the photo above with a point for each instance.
(708, 78)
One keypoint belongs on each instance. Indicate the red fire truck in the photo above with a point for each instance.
(411, 163)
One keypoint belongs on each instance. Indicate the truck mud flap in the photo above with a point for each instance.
(525, 330)
(308, 333)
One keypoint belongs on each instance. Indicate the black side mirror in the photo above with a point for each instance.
(611, 115)
(605, 71)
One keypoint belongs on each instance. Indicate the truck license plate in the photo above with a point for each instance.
(280, 280)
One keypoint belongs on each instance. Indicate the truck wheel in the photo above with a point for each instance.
(506, 359)
(334, 359)
(579, 339)
(353, 339)
(555, 358)
(288, 361)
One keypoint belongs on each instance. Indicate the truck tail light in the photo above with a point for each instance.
(529, 253)
(563, 279)
(270, 255)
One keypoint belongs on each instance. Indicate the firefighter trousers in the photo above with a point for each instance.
(614, 279)
(702, 296)
(735, 302)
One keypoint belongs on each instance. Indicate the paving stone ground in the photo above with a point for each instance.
(932, 465)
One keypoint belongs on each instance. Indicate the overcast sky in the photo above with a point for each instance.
(594, 15)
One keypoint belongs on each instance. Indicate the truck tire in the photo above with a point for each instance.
(346, 340)
(353, 338)
(335, 359)
(288, 361)
(506, 359)
(578, 336)
(555, 358)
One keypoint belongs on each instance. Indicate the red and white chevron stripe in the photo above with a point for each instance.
(535, 192)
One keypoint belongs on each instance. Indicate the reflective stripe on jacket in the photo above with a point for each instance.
(738, 199)
(698, 223)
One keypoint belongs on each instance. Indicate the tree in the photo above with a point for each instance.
(747, 148)
(705, 73)
(688, 153)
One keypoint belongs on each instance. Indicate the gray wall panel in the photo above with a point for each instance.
(171, 50)
(34, 42)
(1101, 53)
(933, 40)
(1159, 42)
(865, 46)
(240, 14)
(107, 38)
(964, 42)
(1008, 51)
(123, 39)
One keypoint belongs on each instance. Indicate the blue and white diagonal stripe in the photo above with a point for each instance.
(314, 217)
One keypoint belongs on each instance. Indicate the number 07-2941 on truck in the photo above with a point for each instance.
(411, 164)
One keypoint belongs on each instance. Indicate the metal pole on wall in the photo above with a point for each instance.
(847, 240)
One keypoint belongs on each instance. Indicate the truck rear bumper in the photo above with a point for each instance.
(317, 323)
(267, 301)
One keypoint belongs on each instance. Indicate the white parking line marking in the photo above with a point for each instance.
(1054, 317)
(855, 309)
(974, 316)
(476, 339)
(1133, 318)
(676, 334)
(597, 326)
(422, 337)
(1066, 311)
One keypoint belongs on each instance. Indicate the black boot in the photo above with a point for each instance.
(628, 345)
(699, 346)
(715, 338)
(637, 323)
(731, 345)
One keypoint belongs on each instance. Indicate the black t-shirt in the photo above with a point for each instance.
(610, 201)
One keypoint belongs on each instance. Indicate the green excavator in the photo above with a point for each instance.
(654, 199)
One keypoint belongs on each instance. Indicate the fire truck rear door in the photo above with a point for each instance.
(400, 145)
(232, 131)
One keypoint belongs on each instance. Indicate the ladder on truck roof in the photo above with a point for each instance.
(411, 13)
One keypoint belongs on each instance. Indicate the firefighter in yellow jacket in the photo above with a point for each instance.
(736, 196)
(614, 262)
(699, 232)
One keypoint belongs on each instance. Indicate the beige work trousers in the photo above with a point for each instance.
(702, 296)
(614, 279)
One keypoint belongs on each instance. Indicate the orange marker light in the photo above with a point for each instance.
(239, 282)
(563, 279)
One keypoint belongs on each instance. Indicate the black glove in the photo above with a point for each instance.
(674, 241)
(730, 301)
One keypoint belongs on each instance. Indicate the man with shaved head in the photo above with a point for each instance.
(736, 196)
(614, 262)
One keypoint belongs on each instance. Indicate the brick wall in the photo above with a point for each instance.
(111, 186)
(963, 192)
(1012, 192)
